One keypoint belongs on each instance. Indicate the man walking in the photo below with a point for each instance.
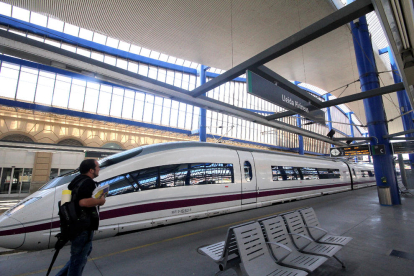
(82, 244)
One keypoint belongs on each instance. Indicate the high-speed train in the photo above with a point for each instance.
(173, 182)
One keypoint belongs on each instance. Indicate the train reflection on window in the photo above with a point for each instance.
(170, 176)
(365, 173)
(248, 175)
(282, 173)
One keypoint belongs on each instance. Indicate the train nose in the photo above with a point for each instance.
(12, 232)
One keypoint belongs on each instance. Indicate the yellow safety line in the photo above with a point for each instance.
(166, 240)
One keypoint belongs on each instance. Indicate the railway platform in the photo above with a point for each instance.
(382, 242)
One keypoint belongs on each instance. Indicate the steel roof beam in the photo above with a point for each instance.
(20, 46)
(398, 134)
(318, 29)
(347, 99)
(352, 139)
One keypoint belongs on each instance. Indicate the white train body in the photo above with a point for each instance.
(174, 182)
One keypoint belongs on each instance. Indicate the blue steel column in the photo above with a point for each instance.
(300, 137)
(404, 102)
(375, 115)
(328, 113)
(369, 156)
(299, 124)
(349, 115)
(201, 71)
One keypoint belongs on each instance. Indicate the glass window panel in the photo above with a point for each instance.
(157, 110)
(61, 94)
(167, 176)
(181, 115)
(110, 60)
(181, 176)
(139, 106)
(71, 29)
(117, 99)
(91, 97)
(135, 49)
(132, 66)
(309, 173)
(189, 117)
(187, 63)
(174, 114)
(21, 14)
(147, 178)
(166, 112)
(128, 104)
(196, 119)
(27, 85)
(152, 73)
(18, 32)
(5, 9)
(77, 94)
(148, 108)
(154, 55)
(143, 69)
(112, 42)
(84, 52)
(145, 52)
(185, 81)
(55, 24)
(170, 77)
(85, 34)
(45, 86)
(122, 63)
(104, 103)
(68, 47)
(52, 42)
(163, 57)
(177, 79)
(172, 59)
(197, 174)
(120, 185)
(124, 46)
(248, 174)
(161, 74)
(38, 19)
(99, 38)
(36, 37)
(97, 56)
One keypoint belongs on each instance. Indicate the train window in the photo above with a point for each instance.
(167, 176)
(291, 173)
(147, 178)
(182, 176)
(277, 174)
(309, 173)
(329, 173)
(248, 175)
(364, 174)
(122, 184)
(211, 173)
(55, 182)
(371, 174)
(353, 170)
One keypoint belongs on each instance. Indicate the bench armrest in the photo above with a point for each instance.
(281, 245)
(302, 236)
(323, 230)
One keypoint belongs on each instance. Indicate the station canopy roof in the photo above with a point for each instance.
(222, 34)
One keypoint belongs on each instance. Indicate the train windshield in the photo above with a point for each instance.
(58, 181)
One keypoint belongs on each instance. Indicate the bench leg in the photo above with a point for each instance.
(336, 258)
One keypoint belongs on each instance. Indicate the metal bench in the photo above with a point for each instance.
(283, 248)
(225, 253)
(317, 233)
(255, 255)
(302, 240)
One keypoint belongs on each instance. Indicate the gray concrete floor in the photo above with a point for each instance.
(172, 250)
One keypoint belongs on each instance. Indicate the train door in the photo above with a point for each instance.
(248, 177)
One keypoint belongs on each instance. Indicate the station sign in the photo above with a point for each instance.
(269, 91)
(403, 147)
(350, 151)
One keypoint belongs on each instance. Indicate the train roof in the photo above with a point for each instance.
(118, 157)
